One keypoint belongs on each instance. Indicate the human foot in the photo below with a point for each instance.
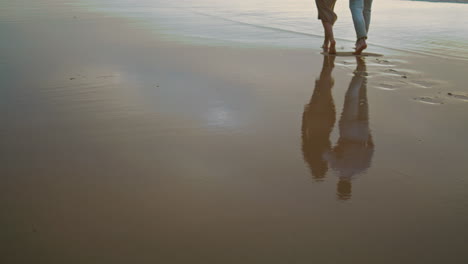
(360, 46)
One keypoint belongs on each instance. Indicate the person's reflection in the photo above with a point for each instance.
(354, 149)
(318, 120)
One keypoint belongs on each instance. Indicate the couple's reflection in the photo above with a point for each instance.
(353, 151)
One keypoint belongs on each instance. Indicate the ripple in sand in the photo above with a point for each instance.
(379, 65)
(346, 63)
(429, 100)
(387, 86)
(425, 83)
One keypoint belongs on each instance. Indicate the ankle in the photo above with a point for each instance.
(361, 41)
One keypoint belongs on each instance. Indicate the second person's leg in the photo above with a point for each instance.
(367, 13)
(357, 11)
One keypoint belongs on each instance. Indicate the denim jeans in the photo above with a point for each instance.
(361, 11)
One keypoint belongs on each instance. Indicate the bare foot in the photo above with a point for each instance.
(360, 46)
(332, 49)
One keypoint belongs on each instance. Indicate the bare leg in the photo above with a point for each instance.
(328, 27)
(326, 39)
(325, 44)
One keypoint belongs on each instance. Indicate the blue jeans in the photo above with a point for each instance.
(361, 11)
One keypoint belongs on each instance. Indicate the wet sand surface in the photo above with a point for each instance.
(119, 147)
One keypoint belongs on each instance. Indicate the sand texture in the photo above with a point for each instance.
(120, 146)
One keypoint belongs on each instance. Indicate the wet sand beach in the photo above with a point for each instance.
(122, 146)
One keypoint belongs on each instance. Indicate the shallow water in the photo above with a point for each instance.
(433, 28)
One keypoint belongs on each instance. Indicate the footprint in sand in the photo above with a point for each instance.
(393, 72)
(382, 61)
(429, 100)
(459, 96)
(346, 63)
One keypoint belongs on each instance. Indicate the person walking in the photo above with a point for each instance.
(361, 12)
(328, 17)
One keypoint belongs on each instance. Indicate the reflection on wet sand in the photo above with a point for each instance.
(318, 120)
(353, 152)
